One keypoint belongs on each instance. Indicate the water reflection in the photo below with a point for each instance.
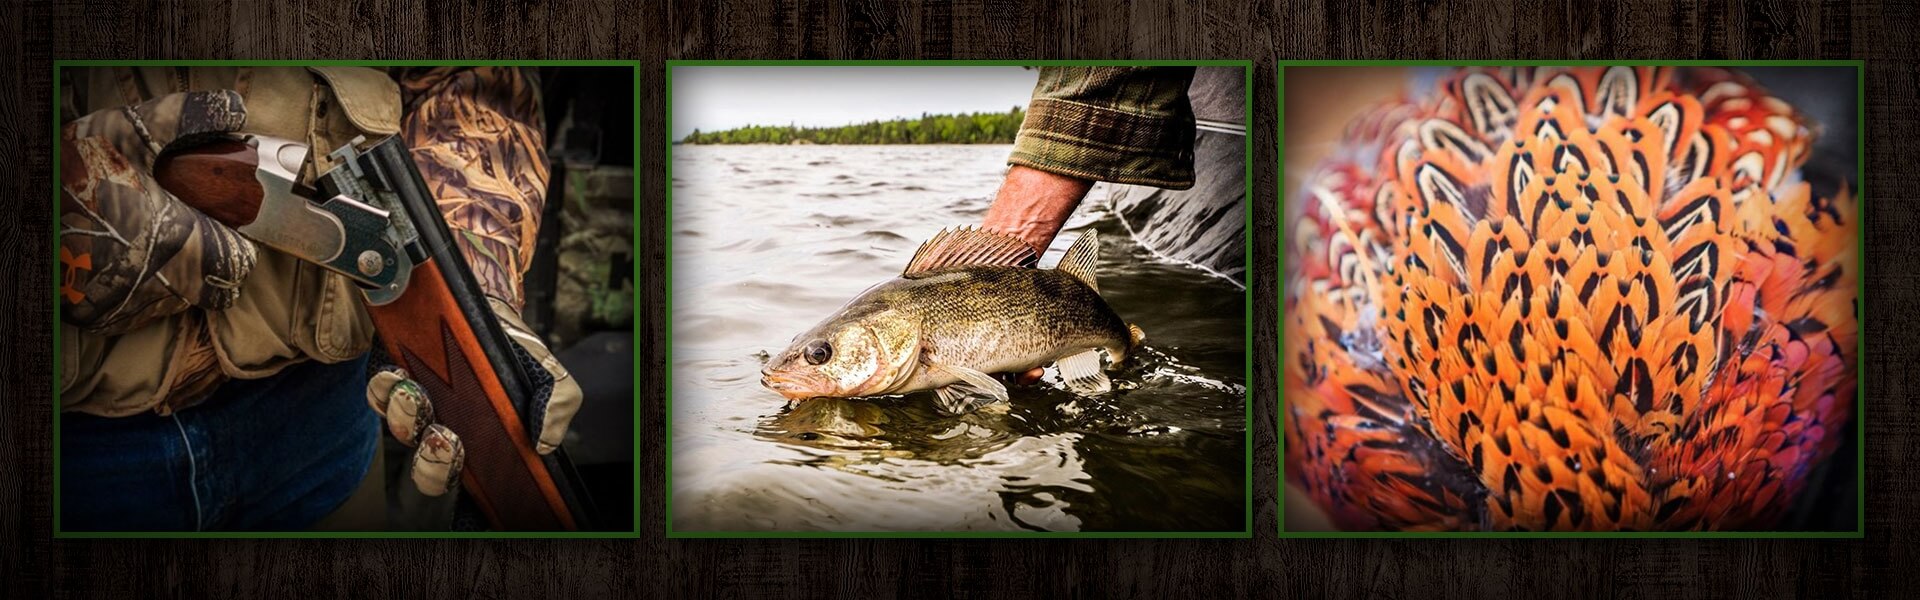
(755, 262)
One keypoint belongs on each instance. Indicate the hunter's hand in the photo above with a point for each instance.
(439, 454)
(557, 412)
(129, 251)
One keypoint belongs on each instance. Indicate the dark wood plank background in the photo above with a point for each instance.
(1882, 566)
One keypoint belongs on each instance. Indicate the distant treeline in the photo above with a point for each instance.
(970, 128)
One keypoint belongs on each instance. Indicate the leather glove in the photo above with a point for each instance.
(130, 252)
(438, 454)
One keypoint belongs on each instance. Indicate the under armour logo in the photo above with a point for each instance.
(74, 264)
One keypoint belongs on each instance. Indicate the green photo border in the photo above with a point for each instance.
(1247, 530)
(1860, 395)
(58, 533)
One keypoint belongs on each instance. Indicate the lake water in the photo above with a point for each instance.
(768, 240)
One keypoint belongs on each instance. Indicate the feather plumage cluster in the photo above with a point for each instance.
(1568, 299)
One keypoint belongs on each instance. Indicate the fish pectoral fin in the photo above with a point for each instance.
(960, 399)
(1083, 374)
(974, 390)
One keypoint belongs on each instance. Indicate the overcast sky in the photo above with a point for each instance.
(715, 98)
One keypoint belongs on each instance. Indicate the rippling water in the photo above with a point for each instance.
(768, 240)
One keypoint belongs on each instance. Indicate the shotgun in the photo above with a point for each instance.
(373, 220)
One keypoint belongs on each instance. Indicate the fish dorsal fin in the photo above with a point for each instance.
(1081, 258)
(969, 247)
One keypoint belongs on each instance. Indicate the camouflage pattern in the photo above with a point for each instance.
(159, 304)
(478, 137)
(129, 251)
(594, 286)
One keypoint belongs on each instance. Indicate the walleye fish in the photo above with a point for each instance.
(968, 305)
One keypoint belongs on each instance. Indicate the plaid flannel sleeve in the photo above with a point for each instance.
(1129, 125)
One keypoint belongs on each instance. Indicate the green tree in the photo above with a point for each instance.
(968, 128)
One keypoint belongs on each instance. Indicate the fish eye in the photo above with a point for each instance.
(818, 352)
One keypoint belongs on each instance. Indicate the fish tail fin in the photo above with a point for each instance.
(1121, 352)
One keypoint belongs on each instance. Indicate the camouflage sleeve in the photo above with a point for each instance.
(478, 136)
(129, 251)
(1130, 125)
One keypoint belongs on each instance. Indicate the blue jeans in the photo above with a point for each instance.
(272, 454)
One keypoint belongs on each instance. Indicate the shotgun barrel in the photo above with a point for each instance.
(374, 220)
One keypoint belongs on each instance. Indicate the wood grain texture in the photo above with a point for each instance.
(1881, 566)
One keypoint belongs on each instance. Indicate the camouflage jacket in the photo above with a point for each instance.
(477, 136)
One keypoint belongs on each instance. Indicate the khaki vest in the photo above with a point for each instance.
(287, 311)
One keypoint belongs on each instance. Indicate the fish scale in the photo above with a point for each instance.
(1004, 318)
(967, 306)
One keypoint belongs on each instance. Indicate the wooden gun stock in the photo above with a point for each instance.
(439, 328)
(215, 178)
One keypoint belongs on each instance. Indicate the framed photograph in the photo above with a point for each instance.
(1572, 299)
(345, 299)
(959, 299)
